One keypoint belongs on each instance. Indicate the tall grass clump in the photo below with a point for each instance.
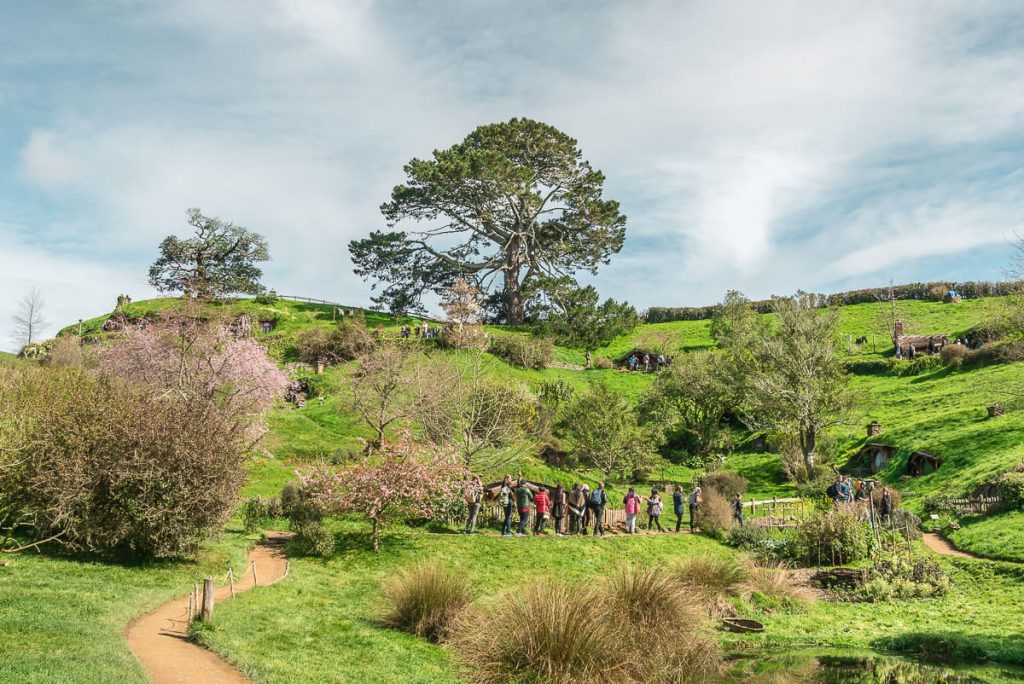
(711, 577)
(775, 582)
(426, 600)
(549, 631)
(834, 537)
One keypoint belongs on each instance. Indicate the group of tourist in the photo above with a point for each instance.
(643, 362)
(845, 491)
(423, 331)
(574, 511)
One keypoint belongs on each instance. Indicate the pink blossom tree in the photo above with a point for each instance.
(183, 354)
(403, 480)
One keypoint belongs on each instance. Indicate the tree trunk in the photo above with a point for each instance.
(375, 537)
(513, 293)
(808, 442)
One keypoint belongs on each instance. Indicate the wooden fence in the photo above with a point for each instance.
(775, 512)
(976, 504)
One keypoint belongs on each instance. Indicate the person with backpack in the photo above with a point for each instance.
(577, 508)
(474, 496)
(632, 503)
(542, 502)
(523, 498)
(737, 509)
(886, 507)
(598, 500)
(696, 499)
(558, 506)
(654, 508)
(506, 499)
(677, 505)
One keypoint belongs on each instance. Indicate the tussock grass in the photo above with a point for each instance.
(775, 581)
(426, 600)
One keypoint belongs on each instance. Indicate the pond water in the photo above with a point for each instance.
(866, 669)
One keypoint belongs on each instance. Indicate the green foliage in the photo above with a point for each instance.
(835, 537)
(690, 400)
(572, 316)
(220, 260)
(726, 483)
(1011, 489)
(256, 511)
(955, 355)
(346, 342)
(899, 579)
(515, 198)
(523, 351)
(426, 599)
(603, 430)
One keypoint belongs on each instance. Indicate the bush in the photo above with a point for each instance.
(426, 600)
(117, 467)
(348, 341)
(955, 355)
(898, 579)
(906, 523)
(257, 510)
(747, 537)
(726, 483)
(314, 539)
(1011, 489)
(711, 577)
(640, 625)
(832, 538)
(523, 351)
(715, 516)
(920, 365)
(939, 503)
(775, 582)
(560, 636)
(306, 520)
(602, 363)
(265, 299)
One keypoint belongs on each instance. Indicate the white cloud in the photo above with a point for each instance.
(46, 161)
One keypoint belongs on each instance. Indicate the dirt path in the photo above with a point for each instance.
(159, 639)
(943, 547)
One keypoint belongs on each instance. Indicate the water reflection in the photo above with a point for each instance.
(871, 669)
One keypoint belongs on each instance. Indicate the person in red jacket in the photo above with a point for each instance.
(541, 502)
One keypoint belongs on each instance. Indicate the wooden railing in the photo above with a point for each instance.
(976, 504)
(775, 512)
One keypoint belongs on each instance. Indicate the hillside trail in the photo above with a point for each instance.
(160, 639)
(943, 547)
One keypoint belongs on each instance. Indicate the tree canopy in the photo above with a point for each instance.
(573, 316)
(221, 259)
(513, 202)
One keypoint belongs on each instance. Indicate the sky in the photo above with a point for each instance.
(759, 146)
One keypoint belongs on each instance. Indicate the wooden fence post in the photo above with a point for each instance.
(253, 573)
(231, 582)
(207, 599)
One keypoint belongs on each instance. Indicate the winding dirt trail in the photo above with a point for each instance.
(943, 547)
(160, 639)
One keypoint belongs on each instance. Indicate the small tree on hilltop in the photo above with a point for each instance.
(461, 302)
(573, 315)
(799, 385)
(28, 319)
(220, 260)
(404, 480)
(604, 432)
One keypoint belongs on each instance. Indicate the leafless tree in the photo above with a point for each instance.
(28, 319)
(384, 386)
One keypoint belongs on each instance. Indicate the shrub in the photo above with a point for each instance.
(257, 510)
(906, 523)
(560, 636)
(833, 538)
(726, 483)
(955, 355)
(313, 538)
(898, 579)
(523, 351)
(602, 363)
(776, 582)
(66, 352)
(748, 537)
(711, 576)
(715, 516)
(116, 467)
(1011, 488)
(265, 299)
(939, 503)
(921, 364)
(306, 519)
(348, 341)
(426, 600)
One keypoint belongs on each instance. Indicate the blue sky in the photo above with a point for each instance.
(756, 146)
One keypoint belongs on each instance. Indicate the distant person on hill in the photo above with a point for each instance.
(899, 352)
(654, 509)
(833, 491)
(678, 499)
(587, 513)
(523, 498)
(632, 504)
(577, 503)
(696, 499)
(507, 501)
(737, 509)
(647, 363)
(661, 361)
(558, 501)
(542, 502)
(598, 500)
(474, 495)
(886, 506)
(588, 360)
(912, 352)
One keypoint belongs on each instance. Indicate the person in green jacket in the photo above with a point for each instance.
(523, 499)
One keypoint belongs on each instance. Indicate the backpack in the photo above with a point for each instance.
(597, 498)
(832, 491)
(505, 496)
